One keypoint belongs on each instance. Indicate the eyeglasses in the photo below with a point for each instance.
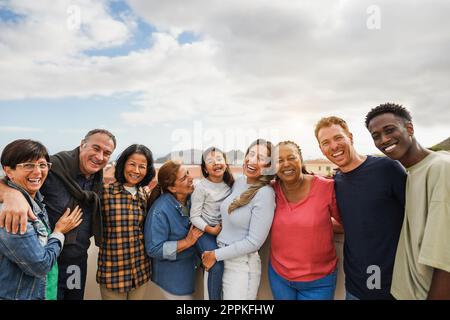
(29, 166)
(216, 160)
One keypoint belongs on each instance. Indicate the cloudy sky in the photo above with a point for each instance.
(177, 74)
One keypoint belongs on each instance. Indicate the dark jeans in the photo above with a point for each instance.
(72, 279)
(349, 296)
(207, 242)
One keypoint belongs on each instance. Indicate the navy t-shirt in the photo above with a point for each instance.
(371, 200)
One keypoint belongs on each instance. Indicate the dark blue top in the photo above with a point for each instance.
(57, 199)
(167, 223)
(371, 200)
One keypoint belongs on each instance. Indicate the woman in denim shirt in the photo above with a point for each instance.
(169, 237)
(28, 268)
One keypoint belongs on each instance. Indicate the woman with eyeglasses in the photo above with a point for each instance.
(28, 268)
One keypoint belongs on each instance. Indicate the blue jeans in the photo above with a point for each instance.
(349, 296)
(320, 289)
(207, 242)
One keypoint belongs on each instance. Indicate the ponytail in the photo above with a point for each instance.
(167, 175)
(250, 193)
(155, 194)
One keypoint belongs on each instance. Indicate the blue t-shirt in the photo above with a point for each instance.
(371, 200)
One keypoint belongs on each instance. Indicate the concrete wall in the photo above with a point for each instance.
(153, 292)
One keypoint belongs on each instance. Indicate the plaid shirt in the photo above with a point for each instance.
(123, 264)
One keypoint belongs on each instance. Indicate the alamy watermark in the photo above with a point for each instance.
(74, 280)
(73, 21)
(374, 280)
(229, 139)
(373, 21)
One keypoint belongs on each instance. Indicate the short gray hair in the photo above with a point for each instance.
(102, 131)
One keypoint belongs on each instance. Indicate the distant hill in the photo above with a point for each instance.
(444, 145)
(235, 157)
(194, 156)
(191, 156)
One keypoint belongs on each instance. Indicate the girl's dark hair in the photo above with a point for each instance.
(227, 176)
(23, 150)
(120, 165)
(167, 175)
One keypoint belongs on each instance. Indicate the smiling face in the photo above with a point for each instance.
(391, 135)
(31, 180)
(184, 184)
(255, 161)
(135, 169)
(95, 153)
(337, 145)
(289, 164)
(215, 165)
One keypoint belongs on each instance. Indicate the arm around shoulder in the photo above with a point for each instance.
(15, 210)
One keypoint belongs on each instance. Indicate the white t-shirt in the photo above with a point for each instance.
(132, 190)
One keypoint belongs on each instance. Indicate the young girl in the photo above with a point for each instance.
(247, 215)
(123, 265)
(205, 211)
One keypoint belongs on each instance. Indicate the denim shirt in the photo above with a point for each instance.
(167, 223)
(26, 259)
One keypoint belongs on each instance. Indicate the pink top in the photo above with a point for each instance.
(302, 245)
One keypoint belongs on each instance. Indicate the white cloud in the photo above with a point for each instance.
(265, 63)
(320, 54)
(12, 129)
(45, 33)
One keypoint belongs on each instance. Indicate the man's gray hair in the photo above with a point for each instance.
(102, 131)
